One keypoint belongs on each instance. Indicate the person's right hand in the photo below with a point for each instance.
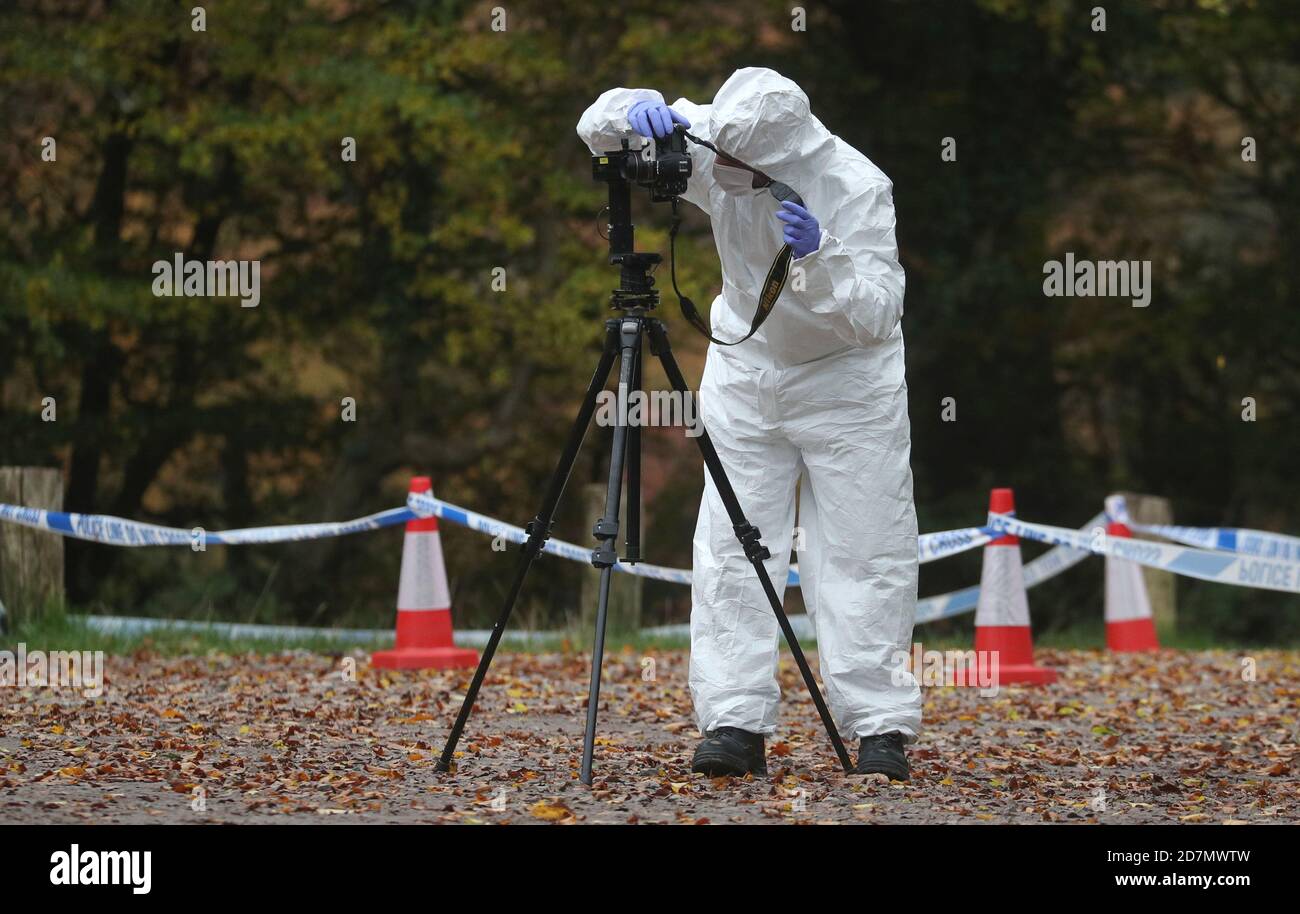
(654, 119)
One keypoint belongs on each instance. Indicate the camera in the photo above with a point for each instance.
(664, 175)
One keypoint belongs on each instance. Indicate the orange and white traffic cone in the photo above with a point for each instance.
(424, 636)
(1002, 614)
(1130, 626)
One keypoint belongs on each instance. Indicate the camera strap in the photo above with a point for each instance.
(772, 286)
(777, 274)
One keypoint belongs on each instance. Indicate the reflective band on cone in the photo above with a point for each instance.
(1002, 614)
(1130, 626)
(424, 635)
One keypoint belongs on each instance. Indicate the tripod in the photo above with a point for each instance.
(624, 339)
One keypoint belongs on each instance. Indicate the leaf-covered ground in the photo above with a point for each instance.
(1170, 737)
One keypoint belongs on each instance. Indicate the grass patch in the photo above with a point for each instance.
(60, 631)
(57, 630)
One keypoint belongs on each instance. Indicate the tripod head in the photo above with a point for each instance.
(636, 286)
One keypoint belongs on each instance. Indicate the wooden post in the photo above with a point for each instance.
(1152, 509)
(624, 590)
(31, 561)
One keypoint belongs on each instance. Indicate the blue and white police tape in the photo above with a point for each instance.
(117, 531)
(1225, 539)
(1046, 566)
(1259, 543)
(1220, 567)
(930, 546)
(422, 504)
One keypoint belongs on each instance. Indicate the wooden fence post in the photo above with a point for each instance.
(1152, 509)
(31, 561)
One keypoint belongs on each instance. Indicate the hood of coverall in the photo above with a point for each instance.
(763, 119)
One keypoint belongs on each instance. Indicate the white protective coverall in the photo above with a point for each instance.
(817, 394)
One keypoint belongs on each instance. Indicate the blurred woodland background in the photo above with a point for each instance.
(376, 274)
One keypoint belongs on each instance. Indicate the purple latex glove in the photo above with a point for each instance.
(801, 230)
(654, 119)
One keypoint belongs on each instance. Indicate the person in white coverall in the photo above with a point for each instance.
(816, 399)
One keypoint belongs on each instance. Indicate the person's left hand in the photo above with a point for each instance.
(655, 119)
(800, 230)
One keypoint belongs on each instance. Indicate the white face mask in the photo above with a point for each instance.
(734, 180)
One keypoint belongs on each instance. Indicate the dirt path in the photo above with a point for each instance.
(1178, 736)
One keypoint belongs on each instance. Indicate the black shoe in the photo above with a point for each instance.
(883, 754)
(730, 750)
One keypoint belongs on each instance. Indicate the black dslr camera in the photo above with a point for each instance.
(665, 175)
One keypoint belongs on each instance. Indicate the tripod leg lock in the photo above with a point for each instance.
(605, 529)
(605, 555)
(537, 536)
(749, 536)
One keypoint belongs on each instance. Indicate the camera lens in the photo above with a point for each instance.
(639, 169)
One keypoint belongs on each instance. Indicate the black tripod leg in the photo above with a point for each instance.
(606, 553)
(633, 538)
(748, 536)
(538, 532)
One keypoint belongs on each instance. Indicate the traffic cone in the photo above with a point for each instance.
(1130, 626)
(1002, 614)
(423, 602)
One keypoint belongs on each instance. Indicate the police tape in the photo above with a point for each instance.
(1260, 543)
(422, 504)
(1046, 566)
(930, 546)
(1206, 565)
(118, 531)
